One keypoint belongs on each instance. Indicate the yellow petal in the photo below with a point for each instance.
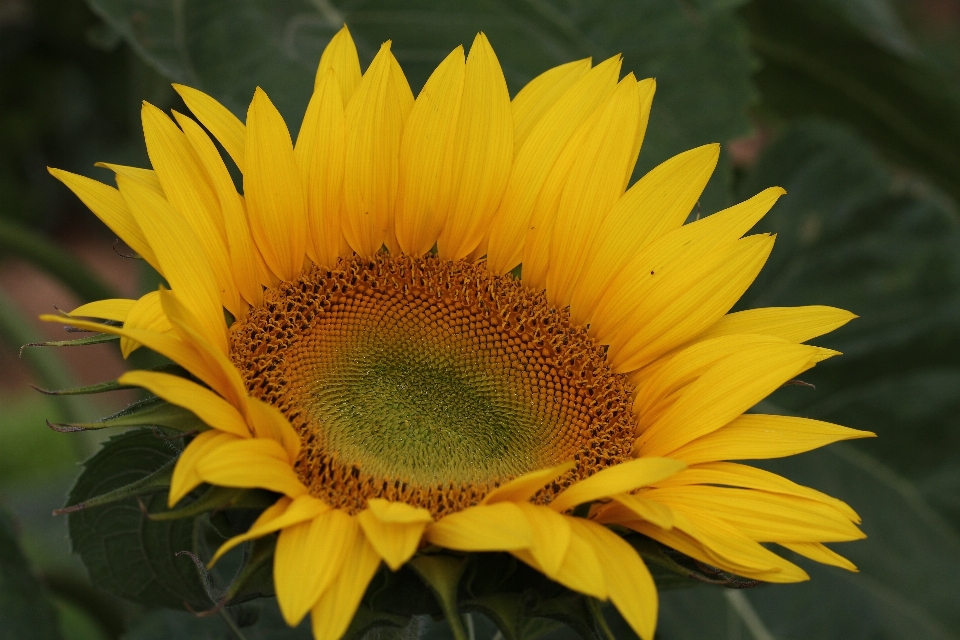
(659, 384)
(536, 158)
(394, 529)
(256, 463)
(523, 488)
(479, 158)
(218, 120)
(185, 477)
(374, 126)
(626, 507)
(109, 205)
(796, 324)
(758, 437)
(115, 309)
(580, 570)
(310, 556)
(205, 404)
(658, 203)
(723, 393)
(488, 527)
(182, 260)
(673, 252)
(166, 344)
(272, 189)
(340, 56)
(629, 582)
(591, 186)
(397, 512)
(537, 96)
(285, 512)
(684, 301)
(739, 475)
(319, 154)
(820, 553)
(646, 89)
(146, 315)
(551, 537)
(421, 195)
(332, 614)
(617, 479)
(216, 370)
(268, 422)
(243, 265)
(717, 543)
(188, 189)
(146, 177)
(762, 516)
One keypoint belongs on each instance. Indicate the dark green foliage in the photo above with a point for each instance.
(126, 553)
(26, 612)
(905, 105)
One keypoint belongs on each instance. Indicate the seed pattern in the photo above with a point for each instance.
(430, 382)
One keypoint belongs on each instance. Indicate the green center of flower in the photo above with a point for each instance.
(430, 382)
(408, 408)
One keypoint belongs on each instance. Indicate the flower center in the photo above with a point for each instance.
(430, 382)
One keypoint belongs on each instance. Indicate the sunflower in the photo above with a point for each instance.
(362, 342)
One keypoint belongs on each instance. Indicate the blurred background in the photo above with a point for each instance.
(853, 106)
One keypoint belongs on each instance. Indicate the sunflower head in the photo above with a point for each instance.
(455, 329)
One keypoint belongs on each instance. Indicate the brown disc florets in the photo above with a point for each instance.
(430, 382)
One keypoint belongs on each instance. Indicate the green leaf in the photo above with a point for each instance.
(126, 553)
(817, 63)
(697, 51)
(26, 612)
(151, 412)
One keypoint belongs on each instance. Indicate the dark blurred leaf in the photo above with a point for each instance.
(256, 621)
(854, 235)
(817, 63)
(26, 612)
(696, 50)
(880, 21)
(126, 553)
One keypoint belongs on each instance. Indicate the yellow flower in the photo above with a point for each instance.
(421, 394)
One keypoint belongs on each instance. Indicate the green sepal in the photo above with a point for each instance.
(151, 412)
(156, 481)
(97, 338)
(110, 385)
(442, 573)
(219, 498)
